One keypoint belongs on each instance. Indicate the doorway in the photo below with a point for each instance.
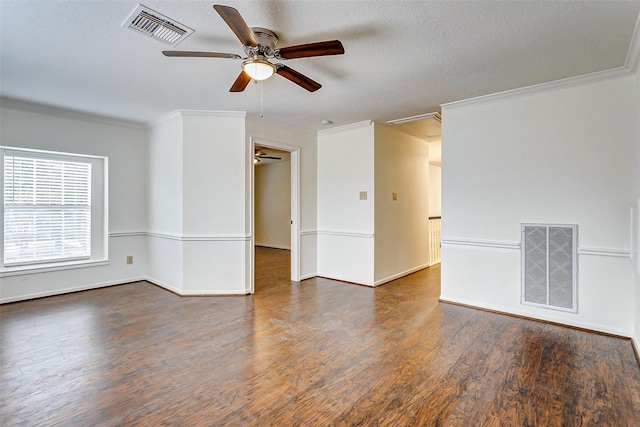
(269, 204)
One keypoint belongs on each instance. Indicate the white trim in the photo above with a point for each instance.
(193, 113)
(538, 316)
(481, 243)
(57, 155)
(345, 279)
(69, 290)
(183, 293)
(615, 253)
(199, 238)
(399, 275)
(164, 118)
(47, 268)
(128, 234)
(433, 114)
(268, 245)
(308, 232)
(633, 54)
(345, 233)
(538, 88)
(50, 110)
(344, 128)
(308, 276)
(184, 237)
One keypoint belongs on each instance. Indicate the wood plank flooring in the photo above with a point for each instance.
(314, 353)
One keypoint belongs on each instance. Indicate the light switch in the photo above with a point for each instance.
(363, 195)
(394, 196)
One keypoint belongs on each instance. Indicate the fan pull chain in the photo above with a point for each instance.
(261, 115)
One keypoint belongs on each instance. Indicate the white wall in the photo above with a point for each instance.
(346, 223)
(197, 190)
(273, 204)
(555, 156)
(435, 190)
(402, 225)
(164, 199)
(29, 126)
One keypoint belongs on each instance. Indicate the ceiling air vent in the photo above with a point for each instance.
(156, 25)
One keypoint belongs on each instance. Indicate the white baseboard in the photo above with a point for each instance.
(399, 275)
(183, 293)
(267, 245)
(506, 310)
(344, 279)
(69, 290)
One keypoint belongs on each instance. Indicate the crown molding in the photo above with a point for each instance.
(344, 128)
(65, 113)
(539, 88)
(432, 115)
(632, 61)
(194, 113)
(631, 65)
(162, 119)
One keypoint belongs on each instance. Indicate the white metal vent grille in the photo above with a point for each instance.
(549, 266)
(157, 26)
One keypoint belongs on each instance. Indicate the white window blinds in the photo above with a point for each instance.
(47, 207)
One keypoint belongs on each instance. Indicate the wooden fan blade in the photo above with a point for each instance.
(332, 47)
(241, 82)
(187, 54)
(269, 157)
(297, 78)
(234, 20)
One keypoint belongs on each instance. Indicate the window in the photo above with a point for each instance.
(53, 208)
(549, 266)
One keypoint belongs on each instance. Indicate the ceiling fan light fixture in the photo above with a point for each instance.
(258, 68)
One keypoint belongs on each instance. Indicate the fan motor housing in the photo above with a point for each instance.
(266, 39)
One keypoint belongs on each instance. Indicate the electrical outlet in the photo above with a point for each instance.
(129, 259)
(363, 195)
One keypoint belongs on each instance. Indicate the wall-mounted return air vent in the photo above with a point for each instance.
(156, 25)
(549, 266)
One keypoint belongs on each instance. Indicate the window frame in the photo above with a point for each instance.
(99, 213)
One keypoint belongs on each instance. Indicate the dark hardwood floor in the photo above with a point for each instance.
(315, 353)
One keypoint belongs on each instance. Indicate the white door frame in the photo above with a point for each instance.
(295, 205)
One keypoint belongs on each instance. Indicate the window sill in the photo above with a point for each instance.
(46, 268)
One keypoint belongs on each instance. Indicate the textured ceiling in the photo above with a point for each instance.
(402, 58)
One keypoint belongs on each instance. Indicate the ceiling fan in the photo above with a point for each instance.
(260, 47)
(259, 154)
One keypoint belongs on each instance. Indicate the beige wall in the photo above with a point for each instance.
(273, 205)
(402, 225)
